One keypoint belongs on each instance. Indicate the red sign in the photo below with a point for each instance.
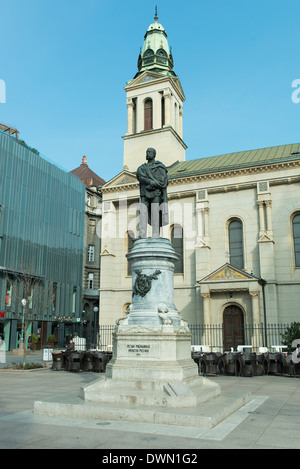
(2, 315)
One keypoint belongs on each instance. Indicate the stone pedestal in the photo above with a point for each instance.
(151, 376)
(152, 261)
(152, 364)
(152, 367)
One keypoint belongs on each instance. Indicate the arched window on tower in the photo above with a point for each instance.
(177, 242)
(134, 100)
(148, 112)
(296, 237)
(176, 116)
(236, 248)
(163, 111)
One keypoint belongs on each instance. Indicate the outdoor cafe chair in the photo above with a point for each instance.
(210, 363)
(230, 363)
(261, 365)
(58, 361)
(274, 361)
(87, 361)
(288, 365)
(100, 360)
(247, 363)
(73, 361)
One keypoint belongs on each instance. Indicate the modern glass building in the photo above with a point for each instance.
(41, 237)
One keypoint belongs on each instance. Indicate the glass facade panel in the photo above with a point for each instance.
(41, 224)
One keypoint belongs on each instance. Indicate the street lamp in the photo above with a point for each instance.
(23, 302)
(263, 283)
(96, 325)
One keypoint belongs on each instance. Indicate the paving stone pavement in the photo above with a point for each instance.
(270, 421)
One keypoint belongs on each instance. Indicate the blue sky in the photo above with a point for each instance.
(65, 64)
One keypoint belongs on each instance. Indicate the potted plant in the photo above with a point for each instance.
(35, 342)
(52, 342)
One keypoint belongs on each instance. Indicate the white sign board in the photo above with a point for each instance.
(47, 354)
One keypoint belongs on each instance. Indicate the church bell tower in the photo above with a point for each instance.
(154, 104)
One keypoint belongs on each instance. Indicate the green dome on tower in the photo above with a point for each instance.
(156, 54)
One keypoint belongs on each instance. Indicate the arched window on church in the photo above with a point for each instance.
(148, 112)
(177, 242)
(296, 237)
(236, 248)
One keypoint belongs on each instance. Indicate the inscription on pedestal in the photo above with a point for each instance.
(138, 350)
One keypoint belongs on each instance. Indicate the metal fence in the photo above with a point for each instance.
(225, 338)
(106, 336)
(217, 336)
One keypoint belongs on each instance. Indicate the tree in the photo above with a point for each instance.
(291, 334)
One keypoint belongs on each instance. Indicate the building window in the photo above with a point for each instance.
(74, 299)
(54, 296)
(8, 291)
(177, 242)
(296, 236)
(236, 250)
(134, 115)
(91, 253)
(92, 226)
(163, 120)
(1, 220)
(29, 296)
(148, 114)
(90, 282)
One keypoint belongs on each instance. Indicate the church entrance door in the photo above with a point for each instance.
(233, 327)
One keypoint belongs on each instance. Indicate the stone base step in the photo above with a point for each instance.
(206, 415)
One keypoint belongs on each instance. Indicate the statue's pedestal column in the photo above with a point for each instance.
(152, 264)
(151, 377)
(152, 364)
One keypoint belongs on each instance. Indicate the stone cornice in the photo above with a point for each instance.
(181, 180)
(264, 168)
(137, 83)
(169, 128)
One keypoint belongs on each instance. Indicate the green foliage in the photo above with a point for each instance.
(27, 146)
(27, 366)
(291, 333)
(35, 338)
(33, 366)
(52, 338)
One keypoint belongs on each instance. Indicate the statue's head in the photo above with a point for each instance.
(150, 153)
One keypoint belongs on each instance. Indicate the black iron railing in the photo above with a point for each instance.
(216, 336)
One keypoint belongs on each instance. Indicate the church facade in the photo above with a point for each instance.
(234, 218)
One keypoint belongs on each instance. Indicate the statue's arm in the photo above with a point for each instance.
(145, 180)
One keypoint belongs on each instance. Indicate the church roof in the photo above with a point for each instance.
(86, 175)
(241, 159)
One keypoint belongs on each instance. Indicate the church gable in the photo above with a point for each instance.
(145, 77)
(227, 272)
(125, 177)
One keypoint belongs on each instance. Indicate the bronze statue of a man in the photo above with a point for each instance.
(153, 179)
